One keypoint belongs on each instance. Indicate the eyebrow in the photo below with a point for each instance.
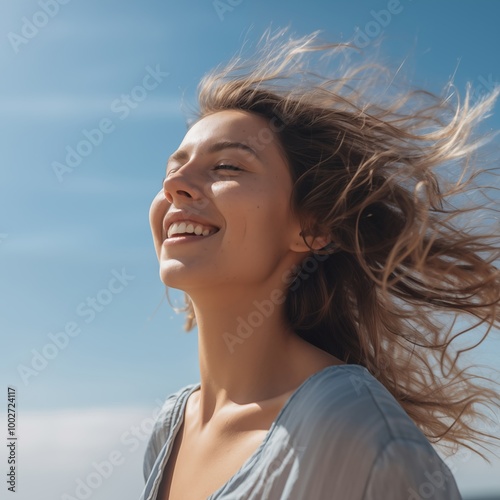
(218, 146)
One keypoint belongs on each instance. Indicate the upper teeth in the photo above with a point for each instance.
(182, 227)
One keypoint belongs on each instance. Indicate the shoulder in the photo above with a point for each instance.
(347, 398)
(411, 468)
(164, 422)
(356, 439)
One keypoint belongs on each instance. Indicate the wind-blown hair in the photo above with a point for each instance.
(389, 176)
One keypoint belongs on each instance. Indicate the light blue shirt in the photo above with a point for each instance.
(340, 436)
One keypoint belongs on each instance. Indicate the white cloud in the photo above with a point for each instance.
(57, 448)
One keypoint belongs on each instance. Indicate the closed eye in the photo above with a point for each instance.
(226, 167)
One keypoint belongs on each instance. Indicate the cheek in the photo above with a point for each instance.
(157, 212)
(263, 218)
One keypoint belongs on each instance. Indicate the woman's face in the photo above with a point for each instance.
(229, 182)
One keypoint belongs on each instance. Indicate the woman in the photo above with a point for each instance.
(305, 220)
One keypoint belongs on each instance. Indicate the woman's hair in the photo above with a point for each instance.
(391, 177)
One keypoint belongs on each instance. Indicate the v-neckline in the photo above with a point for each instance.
(255, 455)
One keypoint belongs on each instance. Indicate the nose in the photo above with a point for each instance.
(177, 187)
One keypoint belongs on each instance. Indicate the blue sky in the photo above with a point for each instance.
(63, 238)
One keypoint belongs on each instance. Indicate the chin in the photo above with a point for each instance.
(171, 278)
(175, 274)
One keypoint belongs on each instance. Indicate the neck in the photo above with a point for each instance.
(247, 354)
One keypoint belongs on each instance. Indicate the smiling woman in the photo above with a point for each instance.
(241, 200)
(311, 226)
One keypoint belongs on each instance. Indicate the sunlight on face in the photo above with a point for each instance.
(229, 178)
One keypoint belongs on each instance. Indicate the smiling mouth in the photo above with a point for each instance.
(182, 229)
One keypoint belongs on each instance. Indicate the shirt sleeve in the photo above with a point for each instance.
(409, 470)
(158, 436)
(150, 455)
